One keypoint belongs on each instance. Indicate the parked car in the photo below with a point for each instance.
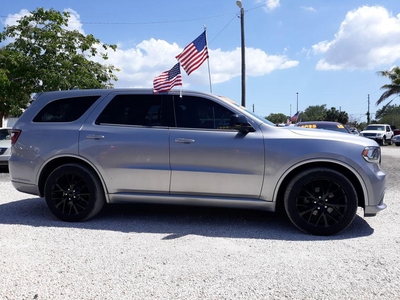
(80, 149)
(327, 125)
(5, 146)
(381, 133)
(354, 131)
(396, 140)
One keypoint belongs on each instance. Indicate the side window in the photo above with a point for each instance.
(65, 110)
(195, 112)
(144, 110)
(5, 134)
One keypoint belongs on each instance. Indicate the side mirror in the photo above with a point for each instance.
(239, 123)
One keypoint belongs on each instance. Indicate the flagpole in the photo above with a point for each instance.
(208, 60)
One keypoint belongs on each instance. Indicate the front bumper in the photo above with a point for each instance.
(371, 211)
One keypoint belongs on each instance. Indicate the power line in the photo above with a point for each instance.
(143, 23)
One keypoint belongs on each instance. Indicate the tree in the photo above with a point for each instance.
(389, 114)
(13, 94)
(392, 88)
(343, 117)
(314, 113)
(277, 118)
(45, 55)
(335, 115)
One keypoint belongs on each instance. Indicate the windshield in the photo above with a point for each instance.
(375, 127)
(258, 117)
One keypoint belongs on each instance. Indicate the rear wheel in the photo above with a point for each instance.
(74, 193)
(321, 201)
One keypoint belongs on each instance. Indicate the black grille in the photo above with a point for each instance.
(2, 150)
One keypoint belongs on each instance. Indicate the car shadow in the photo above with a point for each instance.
(176, 221)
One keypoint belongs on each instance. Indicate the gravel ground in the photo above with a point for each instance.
(161, 252)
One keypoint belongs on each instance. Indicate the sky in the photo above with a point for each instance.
(299, 53)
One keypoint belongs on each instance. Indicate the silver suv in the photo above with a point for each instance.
(80, 149)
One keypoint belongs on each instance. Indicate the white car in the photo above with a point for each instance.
(5, 146)
(381, 133)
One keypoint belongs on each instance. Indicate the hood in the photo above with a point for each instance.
(332, 135)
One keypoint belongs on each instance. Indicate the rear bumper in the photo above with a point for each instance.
(26, 188)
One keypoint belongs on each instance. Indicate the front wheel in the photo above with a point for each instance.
(321, 201)
(74, 193)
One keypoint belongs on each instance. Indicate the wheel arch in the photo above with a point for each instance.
(354, 179)
(51, 165)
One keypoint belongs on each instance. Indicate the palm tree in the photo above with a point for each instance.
(392, 88)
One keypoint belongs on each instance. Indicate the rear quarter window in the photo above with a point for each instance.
(65, 110)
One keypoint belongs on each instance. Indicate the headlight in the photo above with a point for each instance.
(372, 154)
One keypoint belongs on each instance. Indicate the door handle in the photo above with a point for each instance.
(184, 141)
(94, 137)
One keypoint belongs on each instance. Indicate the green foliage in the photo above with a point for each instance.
(277, 118)
(389, 114)
(314, 113)
(335, 115)
(45, 55)
(392, 88)
(387, 110)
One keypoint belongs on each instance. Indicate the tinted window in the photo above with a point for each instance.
(65, 110)
(5, 134)
(194, 112)
(144, 110)
(326, 126)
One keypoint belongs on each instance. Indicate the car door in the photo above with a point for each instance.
(209, 159)
(127, 139)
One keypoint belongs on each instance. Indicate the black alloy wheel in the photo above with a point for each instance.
(74, 193)
(321, 201)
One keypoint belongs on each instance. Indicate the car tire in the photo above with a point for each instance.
(397, 144)
(74, 193)
(321, 201)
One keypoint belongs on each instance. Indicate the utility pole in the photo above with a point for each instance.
(239, 4)
(368, 119)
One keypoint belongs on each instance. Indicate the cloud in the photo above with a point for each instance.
(140, 64)
(74, 21)
(270, 4)
(312, 9)
(369, 37)
(12, 19)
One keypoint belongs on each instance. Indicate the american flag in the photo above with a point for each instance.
(168, 79)
(194, 54)
(295, 117)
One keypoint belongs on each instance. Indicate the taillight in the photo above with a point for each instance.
(15, 133)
